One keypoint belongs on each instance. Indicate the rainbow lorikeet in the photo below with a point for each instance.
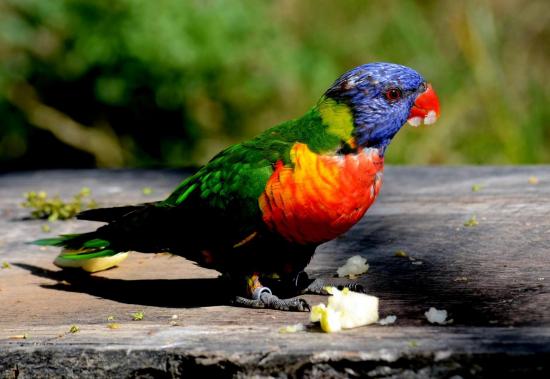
(258, 210)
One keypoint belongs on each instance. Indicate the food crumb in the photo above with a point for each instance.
(110, 318)
(74, 329)
(476, 187)
(436, 316)
(292, 328)
(147, 191)
(533, 180)
(413, 260)
(471, 222)
(138, 316)
(460, 279)
(113, 325)
(46, 228)
(23, 336)
(6, 265)
(388, 320)
(354, 266)
(401, 254)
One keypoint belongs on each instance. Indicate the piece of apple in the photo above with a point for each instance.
(345, 310)
(92, 264)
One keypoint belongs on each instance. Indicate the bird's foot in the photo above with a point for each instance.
(263, 298)
(317, 286)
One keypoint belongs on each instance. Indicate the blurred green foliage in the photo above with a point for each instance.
(170, 82)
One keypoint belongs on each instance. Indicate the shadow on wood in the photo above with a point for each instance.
(479, 279)
(173, 293)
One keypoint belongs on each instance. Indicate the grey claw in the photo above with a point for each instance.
(356, 287)
(303, 305)
(268, 300)
(294, 304)
(317, 287)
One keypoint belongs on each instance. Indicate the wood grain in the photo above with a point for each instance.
(493, 279)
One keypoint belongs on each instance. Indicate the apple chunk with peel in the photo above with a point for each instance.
(92, 264)
(345, 310)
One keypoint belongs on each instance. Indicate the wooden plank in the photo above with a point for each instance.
(492, 279)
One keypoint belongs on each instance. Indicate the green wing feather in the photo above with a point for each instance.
(243, 169)
(57, 241)
(223, 195)
(88, 254)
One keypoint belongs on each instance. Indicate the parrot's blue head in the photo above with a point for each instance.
(382, 97)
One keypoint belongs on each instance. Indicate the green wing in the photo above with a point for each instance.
(223, 195)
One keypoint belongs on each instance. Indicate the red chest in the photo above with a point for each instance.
(320, 197)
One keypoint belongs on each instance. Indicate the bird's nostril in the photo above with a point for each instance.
(422, 87)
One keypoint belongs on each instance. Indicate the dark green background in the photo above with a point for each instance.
(169, 82)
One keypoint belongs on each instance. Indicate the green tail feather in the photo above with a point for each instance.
(80, 246)
(49, 241)
(64, 240)
(96, 243)
(87, 254)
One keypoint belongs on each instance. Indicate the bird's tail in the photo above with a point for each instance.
(80, 246)
(87, 251)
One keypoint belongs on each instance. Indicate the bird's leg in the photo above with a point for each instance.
(261, 297)
(317, 286)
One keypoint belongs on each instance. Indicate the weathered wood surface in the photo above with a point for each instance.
(493, 279)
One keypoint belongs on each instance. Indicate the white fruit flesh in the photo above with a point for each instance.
(436, 316)
(345, 310)
(354, 266)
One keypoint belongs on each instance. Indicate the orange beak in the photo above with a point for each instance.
(425, 109)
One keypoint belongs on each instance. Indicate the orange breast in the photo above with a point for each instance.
(320, 197)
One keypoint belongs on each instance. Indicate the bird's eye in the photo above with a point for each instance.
(393, 94)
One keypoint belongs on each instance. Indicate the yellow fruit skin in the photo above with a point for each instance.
(90, 265)
(317, 312)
